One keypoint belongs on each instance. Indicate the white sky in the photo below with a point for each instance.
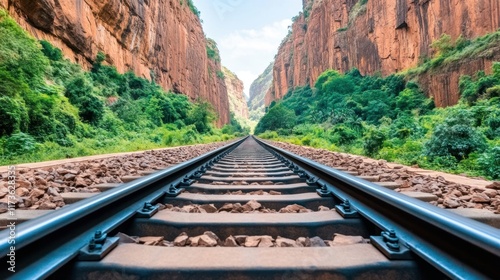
(248, 32)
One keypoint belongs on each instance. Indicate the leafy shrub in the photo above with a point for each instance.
(80, 92)
(455, 137)
(220, 74)
(472, 89)
(201, 116)
(443, 45)
(373, 141)
(492, 123)
(50, 52)
(444, 162)
(20, 53)
(212, 50)
(412, 99)
(111, 123)
(302, 129)
(490, 162)
(277, 117)
(342, 135)
(19, 143)
(193, 8)
(189, 135)
(234, 127)
(404, 127)
(306, 140)
(13, 116)
(269, 135)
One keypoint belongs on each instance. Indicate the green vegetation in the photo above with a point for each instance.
(51, 108)
(235, 128)
(220, 74)
(258, 91)
(448, 51)
(357, 10)
(212, 50)
(308, 9)
(388, 118)
(239, 122)
(192, 7)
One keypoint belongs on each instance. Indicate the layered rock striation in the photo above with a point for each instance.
(258, 91)
(161, 40)
(381, 36)
(237, 102)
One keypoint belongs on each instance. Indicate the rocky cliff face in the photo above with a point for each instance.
(258, 91)
(380, 36)
(237, 102)
(161, 40)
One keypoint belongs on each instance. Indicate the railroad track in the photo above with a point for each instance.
(303, 220)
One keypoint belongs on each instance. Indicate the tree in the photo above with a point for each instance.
(278, 117)
(13, 116)
(80, 93)
(374, 140)
(201, 116)
(20, 53)
(456, 137)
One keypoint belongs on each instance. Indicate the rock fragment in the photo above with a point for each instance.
(480, 198)
(208, 208)
(314, 242)
(181, 240)
(230, 242)
(124, 238)
(151, 240)
(285, 242)
(340, 239)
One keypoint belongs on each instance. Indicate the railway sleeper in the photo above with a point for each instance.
(359, 261)
(232, 166)
(237, 173)
(296, 188)
(283, 179)
(293, 225)
(271, 169)
(308, 200)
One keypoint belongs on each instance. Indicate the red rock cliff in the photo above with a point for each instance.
(258, 91)
(160, 39)
(237, 102)
(383, 36)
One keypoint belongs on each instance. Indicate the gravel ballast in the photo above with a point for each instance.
(450, 194)
(40, 188)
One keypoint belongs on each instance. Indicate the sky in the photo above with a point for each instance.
(247, 32)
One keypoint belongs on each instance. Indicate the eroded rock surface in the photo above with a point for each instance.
(161, 40)
(382, 36)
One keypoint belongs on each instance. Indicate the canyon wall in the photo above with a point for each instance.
(258, 91)
(161, 40)
(237, 102)
(382, 36)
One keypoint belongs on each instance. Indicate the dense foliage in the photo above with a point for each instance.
(235, 128)
(392, 119)
(51, 108)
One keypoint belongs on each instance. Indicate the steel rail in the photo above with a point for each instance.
(38, 255)
(459, 247)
